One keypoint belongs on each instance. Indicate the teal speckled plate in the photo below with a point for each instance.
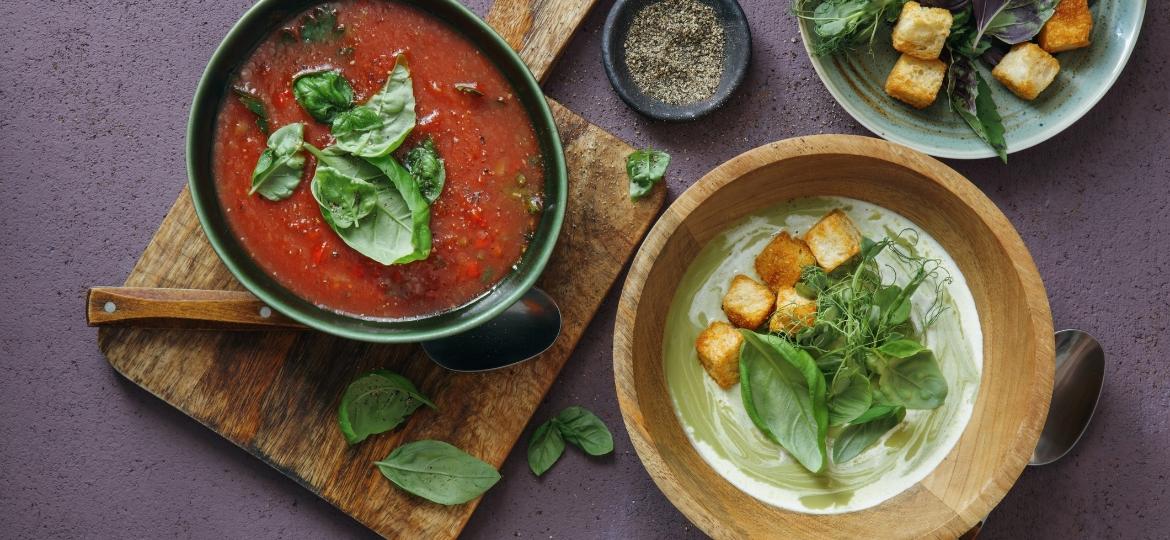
(857, 81)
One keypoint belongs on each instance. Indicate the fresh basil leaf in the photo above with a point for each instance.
(377, 402)
(1012, 21)
(438, 472)
(320, 25)
(784, 394)
(901, 348)
(876, 411)
(346, 199)
(324, 94)
(915, 382)
(645, 168)
(253, 103)
(849, 396)
(354, 167)
(381, 124)
(427, 168)
(971, 99)
(386, 234)
(545, 447)
(855, 438)
(585, 430)
(280, 167)
(420, 211)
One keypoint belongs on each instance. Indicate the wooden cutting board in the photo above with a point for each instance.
(275, 394)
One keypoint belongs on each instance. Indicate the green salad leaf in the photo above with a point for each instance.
(849, 396)
(784, 394)
(324, 94)
(855, 438)
(320, 25)
(645, 168)
(427, 168)
(585, 430)
(545, 447)
(970, 98)
(438, 472)
(377, 402)
(379, 126)
(279, 169)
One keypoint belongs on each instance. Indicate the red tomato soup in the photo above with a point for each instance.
(485, 214)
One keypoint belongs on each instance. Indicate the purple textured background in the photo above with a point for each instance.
(93, 103)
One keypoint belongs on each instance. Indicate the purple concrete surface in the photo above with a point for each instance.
(94, 97)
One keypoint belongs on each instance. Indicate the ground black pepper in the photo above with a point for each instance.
(674, 51)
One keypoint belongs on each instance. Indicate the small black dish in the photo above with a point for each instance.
(737, 53)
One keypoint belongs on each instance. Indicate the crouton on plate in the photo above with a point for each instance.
(748, 302)
(916, 81)
(833, 240)
(718, 348)
(1068, 28)
(782, 260)
(1026, 70)
(793, 312)
(921, 31)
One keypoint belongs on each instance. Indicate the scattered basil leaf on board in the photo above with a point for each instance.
(427, 168)
(469, 88)
(970, 97)
(855, 438)
(377, 402)
(915, 382)
(253, 103)
(324, 94)
(645, 168)
(379, 126)
(438, 472)
(784, 394)
(346, 199)
(849, 396)
(420, 210)
(320, 25)
(585, 430)
(279, 169)
(545, 447)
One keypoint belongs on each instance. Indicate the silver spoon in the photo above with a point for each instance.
(524, 330)
(1080, 373)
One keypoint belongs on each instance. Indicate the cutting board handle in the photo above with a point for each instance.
(181, 308)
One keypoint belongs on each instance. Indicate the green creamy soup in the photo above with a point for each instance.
(717, 423)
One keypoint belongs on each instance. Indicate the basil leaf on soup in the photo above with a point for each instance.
(427, 168)
(438, 472)
(386, 234)
(381, 124)
(279, 169)
(585, 430)
(420, 211)
(345, 164)
(545, 447)
(377, 402)
(849, 396)
(784, 394)
(345, 199)
(320, 25)
(254, 104)
(324, 94)
(645, 168)
(855, 438)
(915, 382)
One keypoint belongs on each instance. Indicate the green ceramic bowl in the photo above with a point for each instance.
(857, 81)
(253, 27)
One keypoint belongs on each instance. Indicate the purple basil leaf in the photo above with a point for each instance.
(994, 54)
(970, 97)
(1012, 21)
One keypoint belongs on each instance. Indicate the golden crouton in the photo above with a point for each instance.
(1026, 70)
(782, 260)
(1069, 27)
(921, 32)
(833, 240)
(718, 348)
(916, 81)
(748, 302)
(793, 312)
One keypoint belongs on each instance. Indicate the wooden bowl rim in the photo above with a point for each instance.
(1035, 299)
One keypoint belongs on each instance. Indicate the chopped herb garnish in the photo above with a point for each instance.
(252, 101)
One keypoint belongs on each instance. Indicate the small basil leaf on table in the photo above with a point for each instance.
(324, 94)
(545, 447)
(645, 168)
(855, 438)
(915, 382)
(377, 402)
(420, 211)
(784, 394)
(427, 168)
(438, 472)
(345, 199)
(849, 396)
(253, 103)
(279, 169)
(320, 25)
(381, 124)
(585, 430)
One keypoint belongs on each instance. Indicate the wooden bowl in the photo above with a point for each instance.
(1016, 387)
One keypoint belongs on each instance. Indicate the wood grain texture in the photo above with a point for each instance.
(1016, 388)
(147, 307)
(275, 394)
